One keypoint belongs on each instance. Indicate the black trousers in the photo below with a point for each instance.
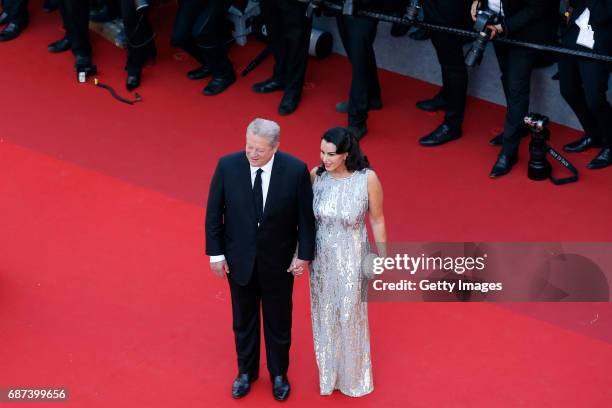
(584, 84)
(289, 32)
(75, 15)
(358, 34)
(201, 29)
(139, 34)
(516, 65)
(274, 298)
(17, 11)
(449, 49)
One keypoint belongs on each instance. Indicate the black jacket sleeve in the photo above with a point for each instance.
(306, 222)
(215, 243)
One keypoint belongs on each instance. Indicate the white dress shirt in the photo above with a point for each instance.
(265, 184)
(496, 6)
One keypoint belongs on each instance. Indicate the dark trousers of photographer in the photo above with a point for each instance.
(449, 50)
(584, 84)
(202, 31)
(17, 11)
(75, 16)
(289, 31)
(516, 65)
(139, 33)
(358, 34)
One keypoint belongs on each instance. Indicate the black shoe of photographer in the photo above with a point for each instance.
(432, 105)
(442, 134)
(199, 73)
(499, 139)
(503, 164)
(581, 145)
(343, 107)
(242, 385)
(3, 18)
(219, 84)
(61, 45)
(603, 159)
(359, 131)
(11, 31)
(288, 104)
(267, 86)
(84, 64)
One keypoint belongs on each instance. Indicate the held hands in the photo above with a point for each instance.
(220, 269)
(297, 267)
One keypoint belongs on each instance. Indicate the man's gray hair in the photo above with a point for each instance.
(265, 128)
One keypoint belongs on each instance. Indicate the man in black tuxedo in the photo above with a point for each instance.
(15, 16)
(449, 50)
(584, 82)
(289, 31)
(259, 210)
(522, 20)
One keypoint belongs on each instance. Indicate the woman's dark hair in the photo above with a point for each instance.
(345, 142)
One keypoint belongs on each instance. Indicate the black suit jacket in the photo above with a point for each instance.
(530, 20)
(600, 21)
(231, 226)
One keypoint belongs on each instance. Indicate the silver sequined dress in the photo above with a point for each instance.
(339, 314)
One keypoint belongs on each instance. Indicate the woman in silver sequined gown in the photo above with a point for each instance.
(345, 191)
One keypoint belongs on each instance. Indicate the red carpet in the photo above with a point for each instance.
(105, 290)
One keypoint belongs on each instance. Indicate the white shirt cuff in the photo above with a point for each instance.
(217, 258)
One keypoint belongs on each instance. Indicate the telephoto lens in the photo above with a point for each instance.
(484, 18)
(538, 168)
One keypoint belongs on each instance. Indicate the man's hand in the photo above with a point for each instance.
(474, 9)
(297, 267)
(220, 269)
(495, 30)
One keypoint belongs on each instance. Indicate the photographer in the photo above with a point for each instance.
(523, 20)
(584, 82)
(449, 50)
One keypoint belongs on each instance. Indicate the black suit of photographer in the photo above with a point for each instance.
(530, 21)
(202, 30)
(449, 50)
(584, 82)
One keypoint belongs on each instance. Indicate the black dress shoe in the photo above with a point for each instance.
(280, 388)
(267, 86)
(83, 64)
(504, 164)
(288, 104)
(3, 18)
(432, 105)
(343, 107)
(498, 140)
(61, 45)
(359, 131)
(133, 81)
(581, 145)
(10, 32)
(242, 385)
(199, 73)
(442, 134)
(603, 159)
(219, 84)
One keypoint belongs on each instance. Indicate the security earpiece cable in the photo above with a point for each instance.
(137, 97)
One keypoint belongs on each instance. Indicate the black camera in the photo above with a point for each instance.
(484, 18)
(412, 12)
(538, 168)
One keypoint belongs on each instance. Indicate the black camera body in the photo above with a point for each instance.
(484, 18)
(538, 168)
(412, 12)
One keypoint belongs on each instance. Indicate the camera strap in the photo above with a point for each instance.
(557, 156)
